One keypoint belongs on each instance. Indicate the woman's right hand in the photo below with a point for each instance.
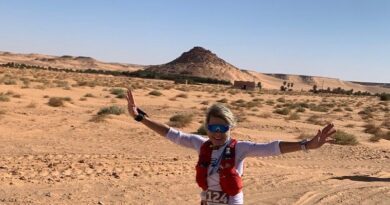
(131, 106)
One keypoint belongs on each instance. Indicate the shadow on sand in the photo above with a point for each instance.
(364, 178)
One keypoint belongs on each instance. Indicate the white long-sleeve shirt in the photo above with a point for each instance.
(243, 149)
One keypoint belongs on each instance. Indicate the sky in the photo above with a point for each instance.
(345, 39)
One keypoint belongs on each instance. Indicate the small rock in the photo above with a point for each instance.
(81, 161)
(100, 203)
(135, 174)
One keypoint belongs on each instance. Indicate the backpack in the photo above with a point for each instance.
(229, 179)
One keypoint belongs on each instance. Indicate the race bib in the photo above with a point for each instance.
(216, 198)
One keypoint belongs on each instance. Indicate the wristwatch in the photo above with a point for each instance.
(140, 116)
(303, 144)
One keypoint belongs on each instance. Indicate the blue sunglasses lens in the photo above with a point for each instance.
(218, 128)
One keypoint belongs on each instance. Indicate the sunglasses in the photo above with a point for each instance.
(218, 128)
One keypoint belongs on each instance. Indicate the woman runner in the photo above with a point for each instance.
(220, 164)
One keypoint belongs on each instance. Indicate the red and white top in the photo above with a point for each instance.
(243, 149)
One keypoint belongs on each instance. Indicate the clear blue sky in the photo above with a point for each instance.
(346, 39)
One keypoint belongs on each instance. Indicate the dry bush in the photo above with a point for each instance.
(155, 93)
(343, 138)
(201, 130)
(281, 99)
(180, 120)
(293, 116)
(119, 92)
(264, 115)
(270, 102)
(182, 95)
(348, 109)
(284, 111)
(337, 110)
(301, 109)
(2, 112)
(4, 97)
(89, 95)
(317, 120)
(82, 99)
(56, 102)
(223, 100)
(204, 102)
(319, 108)
(371, 128)
(350, 125)
(112, 110)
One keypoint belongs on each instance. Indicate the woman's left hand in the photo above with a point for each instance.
(322, 137)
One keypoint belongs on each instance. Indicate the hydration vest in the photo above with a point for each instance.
(229, 179)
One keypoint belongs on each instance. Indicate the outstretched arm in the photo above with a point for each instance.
(320, 139)
(158, 127)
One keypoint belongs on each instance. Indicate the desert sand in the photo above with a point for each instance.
(68, 155)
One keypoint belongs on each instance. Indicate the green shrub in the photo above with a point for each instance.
(112, 110)
(343, 138)
(155, 93)
(180, 120)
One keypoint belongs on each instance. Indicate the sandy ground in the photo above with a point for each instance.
(57, 155)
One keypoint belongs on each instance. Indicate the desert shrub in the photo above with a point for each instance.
(350, 125)
(182, 95)
(317, 120)
(293, 116)
(337, 110)
(223, 100)
(89, 95)
(2, 112)
(119, 92)
(180, 120)
(204, 102)
(56, 101)
(384, 96)
(264, 115)
(301, 109)
(284, 111)
(83, 99)
(155, 93)
(201, 130)
(270, 102)
(386, 123)
(319, 108)
(31, 105)
(4, 97)
(281, 99)
(343, 138)
(371, 128)
(348, 109)
(112, 110)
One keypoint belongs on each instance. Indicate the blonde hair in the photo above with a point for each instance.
(220, 111)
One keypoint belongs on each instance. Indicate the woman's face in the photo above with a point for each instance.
(217, 138)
